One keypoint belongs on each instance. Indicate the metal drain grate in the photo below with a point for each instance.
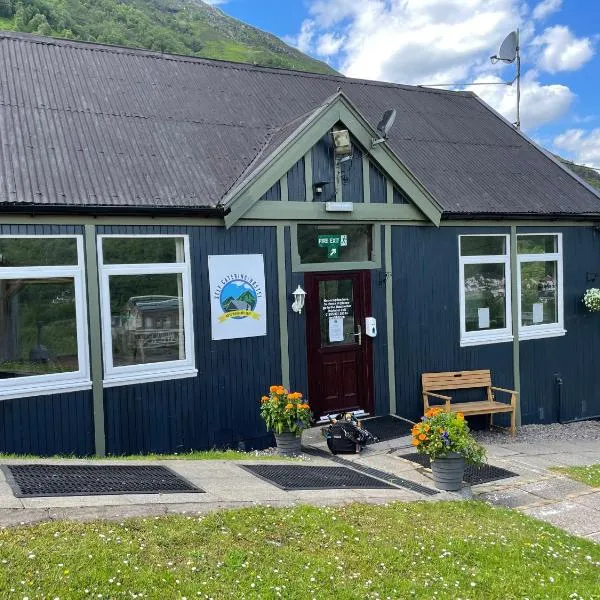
(297, 477)
(392, 479)
(29, 481)
(473, 475)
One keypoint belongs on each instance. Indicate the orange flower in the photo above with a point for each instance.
(273, 388)
(422, 437)
(427, 427)
(289, 406)
(460, 416)
(264, 399)
(415, 442)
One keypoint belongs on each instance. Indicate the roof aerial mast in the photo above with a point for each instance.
(510, 52)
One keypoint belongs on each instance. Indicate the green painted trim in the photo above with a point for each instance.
(366, 178)
(298, 267)
(283, 308)
(514, 301)
(308, 176)
(315, 211)
(389, 315)
(283, 186)
(95, 333)
(283, 158)
(389, 191)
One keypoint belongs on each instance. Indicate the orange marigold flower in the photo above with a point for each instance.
(415, 442)
(422, 437)
(264, 399)
(273, 388)
(460, 416)
(289, 406)
(427, 427)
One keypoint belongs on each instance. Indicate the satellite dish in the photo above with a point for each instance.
(384, 126)
(508, 49)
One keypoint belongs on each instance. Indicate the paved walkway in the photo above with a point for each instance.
(535, 490)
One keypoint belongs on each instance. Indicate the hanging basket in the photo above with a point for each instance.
(448, 472)
(591, 299)
(288, 444)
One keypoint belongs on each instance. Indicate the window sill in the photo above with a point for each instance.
(26, 391)
(536, 334)
(480, 341)
(148, 377)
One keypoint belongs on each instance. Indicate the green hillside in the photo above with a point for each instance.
(591, 176)
(176, 26)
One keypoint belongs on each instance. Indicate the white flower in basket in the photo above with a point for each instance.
(591, 299)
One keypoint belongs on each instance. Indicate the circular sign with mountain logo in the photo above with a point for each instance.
(238, 298)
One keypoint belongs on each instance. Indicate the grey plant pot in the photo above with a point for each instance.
(288, 444)
(448, 472)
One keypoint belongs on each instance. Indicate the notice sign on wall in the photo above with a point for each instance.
(237, 296)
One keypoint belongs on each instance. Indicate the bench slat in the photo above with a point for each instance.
(456, 380)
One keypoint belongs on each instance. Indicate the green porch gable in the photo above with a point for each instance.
(377, 183)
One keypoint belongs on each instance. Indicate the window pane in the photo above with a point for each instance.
(485, 297)
(482, 245)
(37, 252)
(539, 293)
(142, 250)
(38, 331)
(537, 244)
(147, 318)
(334, 243)
(336, 300)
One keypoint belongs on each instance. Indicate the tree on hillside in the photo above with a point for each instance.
(7, 8)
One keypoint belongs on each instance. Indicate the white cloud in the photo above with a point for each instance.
(302, 41)
(329, 44)
(540, 104)
(560, 50)
(582, 146)
(545, 8)
(215, 2)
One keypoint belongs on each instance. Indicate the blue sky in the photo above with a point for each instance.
(444, 41)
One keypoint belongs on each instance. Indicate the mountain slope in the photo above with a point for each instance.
(591, 176)
(176, 26)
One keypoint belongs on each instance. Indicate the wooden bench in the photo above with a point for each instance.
(458, 380)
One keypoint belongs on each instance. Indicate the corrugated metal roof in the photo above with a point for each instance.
(86, 125)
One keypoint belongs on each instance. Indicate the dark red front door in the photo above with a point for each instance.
(339, 352)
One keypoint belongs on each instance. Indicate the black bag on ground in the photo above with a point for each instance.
(345, 436)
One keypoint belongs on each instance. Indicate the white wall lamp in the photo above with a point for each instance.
(298, 304)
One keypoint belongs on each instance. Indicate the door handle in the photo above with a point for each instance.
(358, 334)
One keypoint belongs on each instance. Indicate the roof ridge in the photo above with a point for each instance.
(214, 62)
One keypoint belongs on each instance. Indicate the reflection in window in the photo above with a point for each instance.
(485, 289)
(146, 318)
(37, 252)
(485, 297)
(38, 329)
(336, 301)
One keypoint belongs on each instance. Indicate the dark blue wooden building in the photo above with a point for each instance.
(158, 213)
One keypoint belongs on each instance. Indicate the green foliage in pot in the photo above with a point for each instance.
(440, 433)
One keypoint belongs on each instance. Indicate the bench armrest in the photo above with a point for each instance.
(498, 389)
(437, 396)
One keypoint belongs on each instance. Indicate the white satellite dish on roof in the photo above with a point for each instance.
(508, 53)
(384, 126)
(508, 49)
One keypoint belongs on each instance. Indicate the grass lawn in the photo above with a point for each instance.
(589, 475)
(417, 550)
(195, 455)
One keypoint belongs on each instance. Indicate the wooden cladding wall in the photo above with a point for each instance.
(220, 406)
(426, 315)
(53, 424)
(560, 379)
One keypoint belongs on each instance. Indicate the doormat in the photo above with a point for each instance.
(388, 427)
(28, 481)
(474, 475)
(393, 479)
(297, 477)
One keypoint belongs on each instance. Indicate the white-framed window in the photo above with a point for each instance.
(485, 315)
(146, 304)
(540, 285)
(43, 315)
